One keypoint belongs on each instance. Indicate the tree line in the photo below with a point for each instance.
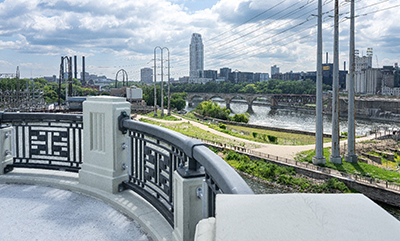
(272, 86)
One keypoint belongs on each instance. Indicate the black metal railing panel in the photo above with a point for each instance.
(48, 141)
(157, 152)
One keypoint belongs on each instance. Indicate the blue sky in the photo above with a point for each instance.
(247, 35)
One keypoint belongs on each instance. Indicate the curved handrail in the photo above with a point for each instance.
(228, 180)
(225, 176)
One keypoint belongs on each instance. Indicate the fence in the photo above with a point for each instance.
(48, 141)
(157, 152)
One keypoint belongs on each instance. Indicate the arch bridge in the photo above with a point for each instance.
(275, 100)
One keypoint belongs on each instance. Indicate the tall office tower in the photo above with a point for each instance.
(196, 56)
(274, 70)
(146, 75)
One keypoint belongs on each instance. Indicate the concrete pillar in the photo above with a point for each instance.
(104, 153)
(6, 157)
(188, 207)
(335, 153)
(351, 147)
(319, 143)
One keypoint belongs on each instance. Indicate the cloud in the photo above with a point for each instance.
(248, 33)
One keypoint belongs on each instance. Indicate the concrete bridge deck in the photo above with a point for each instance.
(40, 204)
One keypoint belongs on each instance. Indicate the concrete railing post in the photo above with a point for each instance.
(187, 205)
(6, 148)
(104, 146)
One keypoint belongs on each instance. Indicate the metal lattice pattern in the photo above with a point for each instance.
(54, 143)
(152, 165)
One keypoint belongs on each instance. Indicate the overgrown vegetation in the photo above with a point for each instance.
(359, 168)
(212, 109)
(282, 175)
(165, 117)
(188, 129)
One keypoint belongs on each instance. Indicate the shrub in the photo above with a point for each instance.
(222, 126)
(255, 134)
(272, 139)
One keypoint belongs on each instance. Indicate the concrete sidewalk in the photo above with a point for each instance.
(38, 204)
(31, 212)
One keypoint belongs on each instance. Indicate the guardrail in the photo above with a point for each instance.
(55, 141)
(157, 152)
(47, 141)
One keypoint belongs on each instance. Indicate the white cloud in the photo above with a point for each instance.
(124, 31)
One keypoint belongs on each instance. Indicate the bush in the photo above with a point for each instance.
(255, 134)
(222, 126)
(272, 139)
(240, 118)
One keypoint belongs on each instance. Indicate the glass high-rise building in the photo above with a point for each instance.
(196, 56)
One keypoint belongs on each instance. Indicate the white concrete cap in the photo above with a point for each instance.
(303, 217)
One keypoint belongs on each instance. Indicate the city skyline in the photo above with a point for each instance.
(242, 35)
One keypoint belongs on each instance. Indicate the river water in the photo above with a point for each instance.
(298, 120)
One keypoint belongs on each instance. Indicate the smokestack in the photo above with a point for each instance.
(83, 70)
(344, 65)
(70, 77)
(75, 68)
(327, 57)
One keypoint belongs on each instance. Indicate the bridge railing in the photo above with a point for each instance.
(177, 175)
(157, 152)
(47, 141)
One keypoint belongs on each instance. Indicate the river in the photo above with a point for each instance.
(298, 120)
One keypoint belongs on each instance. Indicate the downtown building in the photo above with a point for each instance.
(196, 57)
(146, 75)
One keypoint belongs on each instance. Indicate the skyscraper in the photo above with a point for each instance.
(274, 70)
(196, 56)
(146, 75)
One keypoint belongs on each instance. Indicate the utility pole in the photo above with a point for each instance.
(319, 155)
(351, 156)
(18, 87)
(335, 153)
(155, 79)
(169, 85)
(162, 83)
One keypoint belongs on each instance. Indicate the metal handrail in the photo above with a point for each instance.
(228, 180)
(190, 157)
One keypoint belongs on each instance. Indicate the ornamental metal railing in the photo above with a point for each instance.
(55, 141)
(155, 153)
(47, 141)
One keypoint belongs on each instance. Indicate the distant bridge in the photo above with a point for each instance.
(273, 99)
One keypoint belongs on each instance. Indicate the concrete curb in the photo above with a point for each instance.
(127, 202)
